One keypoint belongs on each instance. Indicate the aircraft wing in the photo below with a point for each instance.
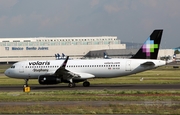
(62, 71)
(148, 63)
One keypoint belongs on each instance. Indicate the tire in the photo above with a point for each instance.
(86, 84)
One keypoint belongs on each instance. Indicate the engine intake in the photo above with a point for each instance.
(48, 79)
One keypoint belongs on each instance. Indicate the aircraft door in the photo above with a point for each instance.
(128, 65)
(21, 68)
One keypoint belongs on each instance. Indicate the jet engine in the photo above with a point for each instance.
(48, 79)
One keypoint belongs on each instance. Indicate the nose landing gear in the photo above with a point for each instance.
(26, 88)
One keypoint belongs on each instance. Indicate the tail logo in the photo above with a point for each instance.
(149, 47)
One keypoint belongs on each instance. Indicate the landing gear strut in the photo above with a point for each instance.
(26, 88)
(26, 82)
(72, 85)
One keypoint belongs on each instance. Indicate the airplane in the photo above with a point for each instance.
(58, 56)
(63, 56)
(50, 72)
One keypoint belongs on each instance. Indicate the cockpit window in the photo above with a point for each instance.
(13, 66)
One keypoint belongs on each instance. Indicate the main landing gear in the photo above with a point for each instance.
(85, 84)
(72, 85)
(26, 88)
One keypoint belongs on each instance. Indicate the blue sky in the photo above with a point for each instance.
(129, 20)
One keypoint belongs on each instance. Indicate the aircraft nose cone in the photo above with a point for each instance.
(7, 73)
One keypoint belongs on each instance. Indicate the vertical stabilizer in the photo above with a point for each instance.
(150, 49)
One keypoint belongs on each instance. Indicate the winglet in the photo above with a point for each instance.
(65, 62)
(150, 49)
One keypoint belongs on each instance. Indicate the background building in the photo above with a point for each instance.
(18, 49)
(43, 48)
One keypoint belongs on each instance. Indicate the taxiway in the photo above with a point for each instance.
(95, 87)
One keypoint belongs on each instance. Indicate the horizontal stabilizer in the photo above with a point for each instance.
(148, 64)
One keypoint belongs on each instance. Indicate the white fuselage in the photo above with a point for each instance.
(100, 68)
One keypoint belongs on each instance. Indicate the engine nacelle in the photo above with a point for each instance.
(48, 79)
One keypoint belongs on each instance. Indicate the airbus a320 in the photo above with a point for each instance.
(73, 71)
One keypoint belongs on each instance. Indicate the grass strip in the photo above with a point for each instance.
(86, 109)
(90, 95)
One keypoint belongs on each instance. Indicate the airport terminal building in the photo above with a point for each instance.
(44, 48)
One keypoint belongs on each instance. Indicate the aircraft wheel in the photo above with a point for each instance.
(72, 85)
(86, 84)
